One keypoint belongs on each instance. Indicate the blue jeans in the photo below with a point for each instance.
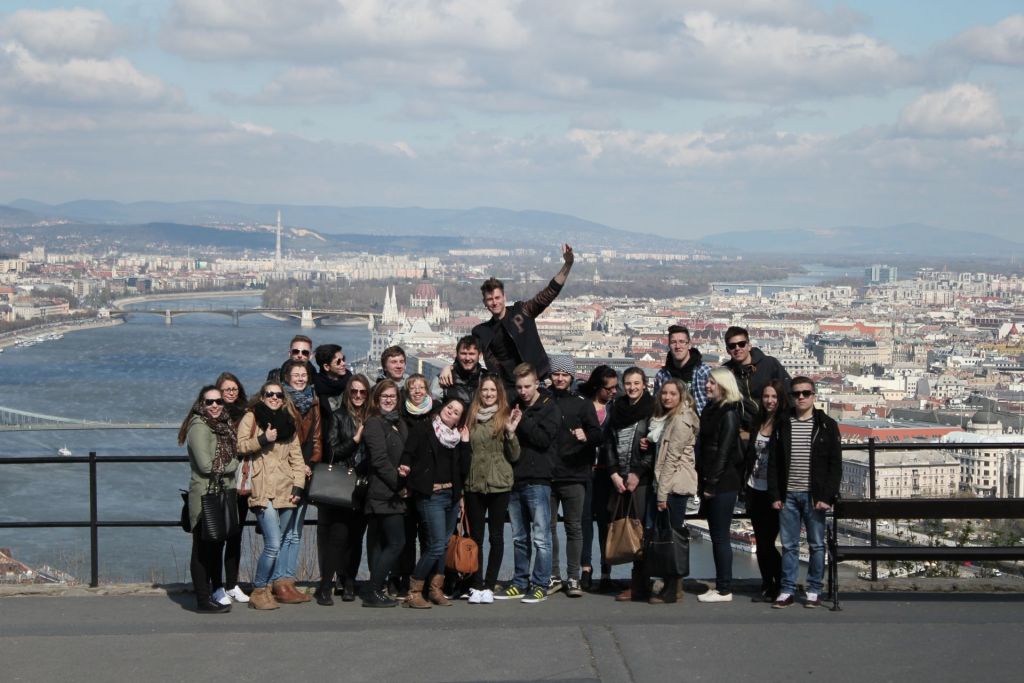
(799, 507)
(273, 523)
(531, 505)
(718, 510)
(435, 513)
(290, 545)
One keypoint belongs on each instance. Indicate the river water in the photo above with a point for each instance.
(146, 371)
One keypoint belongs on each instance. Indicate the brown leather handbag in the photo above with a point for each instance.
(463, 555)
(625, 535)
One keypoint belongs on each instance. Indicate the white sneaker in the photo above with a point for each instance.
(475, 596)
(714, 596)
(486, 597)
(220, 597)
(237, 595)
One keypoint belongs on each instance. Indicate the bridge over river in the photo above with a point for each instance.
(14, 420)
(307, 317)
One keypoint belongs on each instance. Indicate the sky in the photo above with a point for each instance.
(676, 117)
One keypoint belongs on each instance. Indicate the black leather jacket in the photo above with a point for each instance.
(720, 460)
(636, 461)
(340, 446)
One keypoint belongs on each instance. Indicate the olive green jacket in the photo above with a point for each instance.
(202, 448)
(490, 466)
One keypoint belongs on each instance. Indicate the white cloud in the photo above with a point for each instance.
(1002, 43)
(963, 110)
(76, 32)
(528, 54)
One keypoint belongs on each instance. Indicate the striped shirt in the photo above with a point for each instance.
(800, 454)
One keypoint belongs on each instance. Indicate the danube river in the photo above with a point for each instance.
(144, 371)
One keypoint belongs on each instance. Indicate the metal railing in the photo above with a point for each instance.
(94, 524)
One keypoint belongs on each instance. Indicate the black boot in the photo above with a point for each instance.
(322, 594)
(377, 598)
(348, 592)
(206, 605)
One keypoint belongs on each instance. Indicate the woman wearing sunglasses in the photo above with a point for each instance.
(269, 436)
(339, 531)
(233, 393)
(212, 456)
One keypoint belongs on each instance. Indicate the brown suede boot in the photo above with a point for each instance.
(262, 598)
(284, 593)
(436, 592)
(416, 599)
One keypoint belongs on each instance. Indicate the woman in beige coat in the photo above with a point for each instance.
(268, 437)
(675, 471)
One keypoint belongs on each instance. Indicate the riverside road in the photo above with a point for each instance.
(877, 637)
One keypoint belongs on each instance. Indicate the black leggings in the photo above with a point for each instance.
(595, 509)
(339, 538)
(233, 547)
(206, 566)
(389, 534)
(495, 506)
(765, 520)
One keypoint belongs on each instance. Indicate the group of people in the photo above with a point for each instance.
(512, 439)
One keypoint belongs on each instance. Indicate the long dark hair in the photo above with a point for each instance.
(782, 409)
(359, 415)
(595, 382)
(196, 409)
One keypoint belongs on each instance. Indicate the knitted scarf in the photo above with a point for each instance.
(448, 437)
(625, 413)
(279, 419)
(485, 414)
(422, 409)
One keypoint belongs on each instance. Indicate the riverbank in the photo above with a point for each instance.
(64, 327)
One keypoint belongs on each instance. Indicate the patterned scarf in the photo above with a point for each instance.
(303, 400)
(226, 447)
(448, 437)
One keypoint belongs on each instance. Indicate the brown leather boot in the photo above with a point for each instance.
(436, 593)
(285, 593)
(416, 599)
(262, 598)
(302, 596)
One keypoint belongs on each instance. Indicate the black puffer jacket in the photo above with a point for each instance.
(340, 446)
(385, 442)
(720, 461)
(752, 378)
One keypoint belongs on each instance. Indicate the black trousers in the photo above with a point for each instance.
(765, 520)
(233, 547)
(339, 540)
(495, 507)
(595, 509)
(388, 532)
(207, 567)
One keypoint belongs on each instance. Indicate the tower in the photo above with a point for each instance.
(277, 251)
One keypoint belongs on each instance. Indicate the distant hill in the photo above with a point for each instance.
(906, 239)
(478, 226)
(15, 217)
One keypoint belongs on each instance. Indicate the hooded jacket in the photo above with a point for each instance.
(464, 385)
(694, 374)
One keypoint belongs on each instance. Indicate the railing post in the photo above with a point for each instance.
(94, 560)
(871, 494)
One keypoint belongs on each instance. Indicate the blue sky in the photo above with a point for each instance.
(680, 117)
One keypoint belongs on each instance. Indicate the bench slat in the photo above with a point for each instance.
(980, 553)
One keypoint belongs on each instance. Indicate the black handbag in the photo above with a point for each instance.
(666, 550)
(219, 518)
(340, 486)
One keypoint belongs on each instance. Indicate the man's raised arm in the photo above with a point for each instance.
(544, 297)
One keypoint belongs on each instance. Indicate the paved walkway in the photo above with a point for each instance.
(877, 637)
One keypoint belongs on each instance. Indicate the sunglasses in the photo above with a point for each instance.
(273, 394)
(613, 388)
(213, 401)
(736, 345)
(806, 393)
(358, 392)
(300, 352)
(338, 361)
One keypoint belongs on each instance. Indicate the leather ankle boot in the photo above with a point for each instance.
(437, 595)
(285, 593)
(416, 599)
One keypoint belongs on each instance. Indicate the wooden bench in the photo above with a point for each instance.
(918, 508)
